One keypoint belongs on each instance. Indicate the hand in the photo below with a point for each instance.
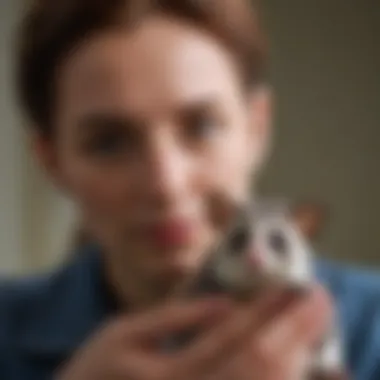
(276, 347)
(125, 349)
(249, 344)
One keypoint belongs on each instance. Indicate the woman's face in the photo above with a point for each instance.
(152, 126)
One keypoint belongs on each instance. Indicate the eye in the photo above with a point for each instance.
(200, 126)
(107, 144)
(278, 242)
(112, 144)
(108, 136)
(239, 242)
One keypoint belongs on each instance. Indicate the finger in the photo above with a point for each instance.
(176, 316)
(312, 318)
(315, 321)
(223, 338)
(245, 366)
(271, 305)
(303, 323)
(140, 365)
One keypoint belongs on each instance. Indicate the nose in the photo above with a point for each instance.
(168, 173)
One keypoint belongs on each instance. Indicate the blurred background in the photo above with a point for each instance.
(326, 78)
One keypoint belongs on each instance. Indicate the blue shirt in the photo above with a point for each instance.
(44, 319)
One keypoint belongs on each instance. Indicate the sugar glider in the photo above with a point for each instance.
(264, 247)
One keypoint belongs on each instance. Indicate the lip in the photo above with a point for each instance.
(172, 233)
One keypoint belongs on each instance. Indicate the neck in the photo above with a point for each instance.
(134, 290)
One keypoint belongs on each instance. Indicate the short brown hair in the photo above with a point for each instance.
(51, 29)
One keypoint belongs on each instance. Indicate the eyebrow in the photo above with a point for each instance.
(194, 108)
(95, 120)
(100, 119)
(197, 106)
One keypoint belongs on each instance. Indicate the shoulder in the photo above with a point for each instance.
(44, 318)
(355, 289)
(356, 292)
(27, 301)
(48, 309)
(18, 299)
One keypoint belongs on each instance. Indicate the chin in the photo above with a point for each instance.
(180, 263)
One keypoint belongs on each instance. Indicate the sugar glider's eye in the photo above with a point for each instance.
(279, 243)
(239, 241)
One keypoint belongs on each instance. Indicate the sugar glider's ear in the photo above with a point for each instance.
(261, 114)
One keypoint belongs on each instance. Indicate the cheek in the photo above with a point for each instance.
(229, 163)
(98, 191)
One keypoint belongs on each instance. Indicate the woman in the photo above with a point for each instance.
(147, 114)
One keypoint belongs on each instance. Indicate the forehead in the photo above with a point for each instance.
(161, 63)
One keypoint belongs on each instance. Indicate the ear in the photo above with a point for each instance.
(45, 151)
(261, 113)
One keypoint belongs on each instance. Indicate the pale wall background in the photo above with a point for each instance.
(35, 223)
(326, 73)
